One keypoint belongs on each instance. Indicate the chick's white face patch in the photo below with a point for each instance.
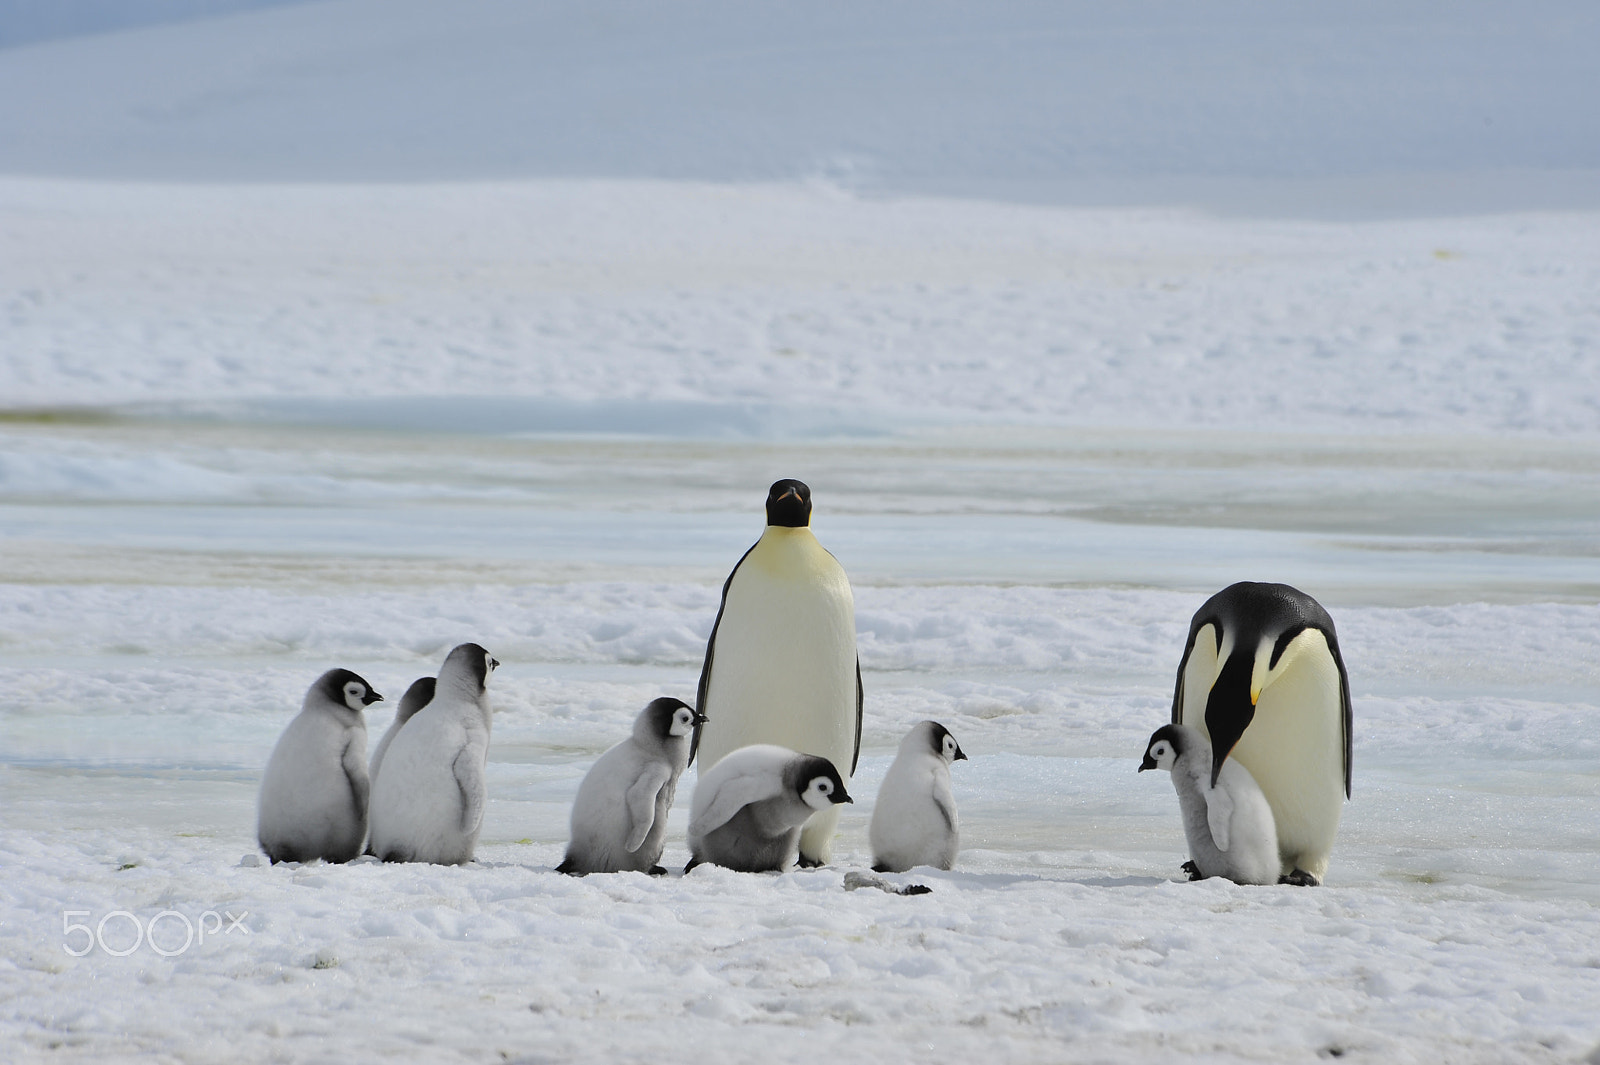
(818, 793)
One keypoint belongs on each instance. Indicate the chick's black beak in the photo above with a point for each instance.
(372, 697)
(961, 756)
(1148, 763)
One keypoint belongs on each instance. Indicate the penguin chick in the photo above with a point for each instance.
(416, 697)
(748, 808)
(781, 664)
(914, 821)
(428, 803)
(1229, 826)
(313, 800)
(619, 819)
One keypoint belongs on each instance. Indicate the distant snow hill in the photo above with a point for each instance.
(1487, 103)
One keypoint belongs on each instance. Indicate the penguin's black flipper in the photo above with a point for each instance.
(855, 758)
(711, 653)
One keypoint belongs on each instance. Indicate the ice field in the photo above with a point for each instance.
(252, 431)
(176, 573)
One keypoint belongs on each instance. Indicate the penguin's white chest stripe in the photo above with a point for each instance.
(1199, 673)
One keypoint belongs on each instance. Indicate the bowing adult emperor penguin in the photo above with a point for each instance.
(781, 665)
(313, 801)
(429, 799)
(1262, 678)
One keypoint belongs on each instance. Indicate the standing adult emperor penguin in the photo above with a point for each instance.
(1262, 678)
(781, 665)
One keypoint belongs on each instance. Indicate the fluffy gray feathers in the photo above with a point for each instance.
(619, 817)
(748, 808)
(313, 799)
(1229, 827)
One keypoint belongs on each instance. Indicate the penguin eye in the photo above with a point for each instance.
(824, 786)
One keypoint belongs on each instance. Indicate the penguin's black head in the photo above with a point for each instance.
(789, 504)
(1166, 744)
(348, 689)
(417, 696)
(473, 661)
(1263, 622)
(944, 744)
(671, 718)
(820, 785)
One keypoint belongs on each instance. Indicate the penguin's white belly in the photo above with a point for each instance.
(417, 805)
(307, 808)
(783, 666)
(1294, 748)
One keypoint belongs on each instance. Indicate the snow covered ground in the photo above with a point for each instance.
(252, 431)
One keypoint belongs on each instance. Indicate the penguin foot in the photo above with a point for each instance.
(656, 870)
(881, 867)
(568, 868)
(1299, 878)
(1192, 871)
(809, 863)
(694, 861)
